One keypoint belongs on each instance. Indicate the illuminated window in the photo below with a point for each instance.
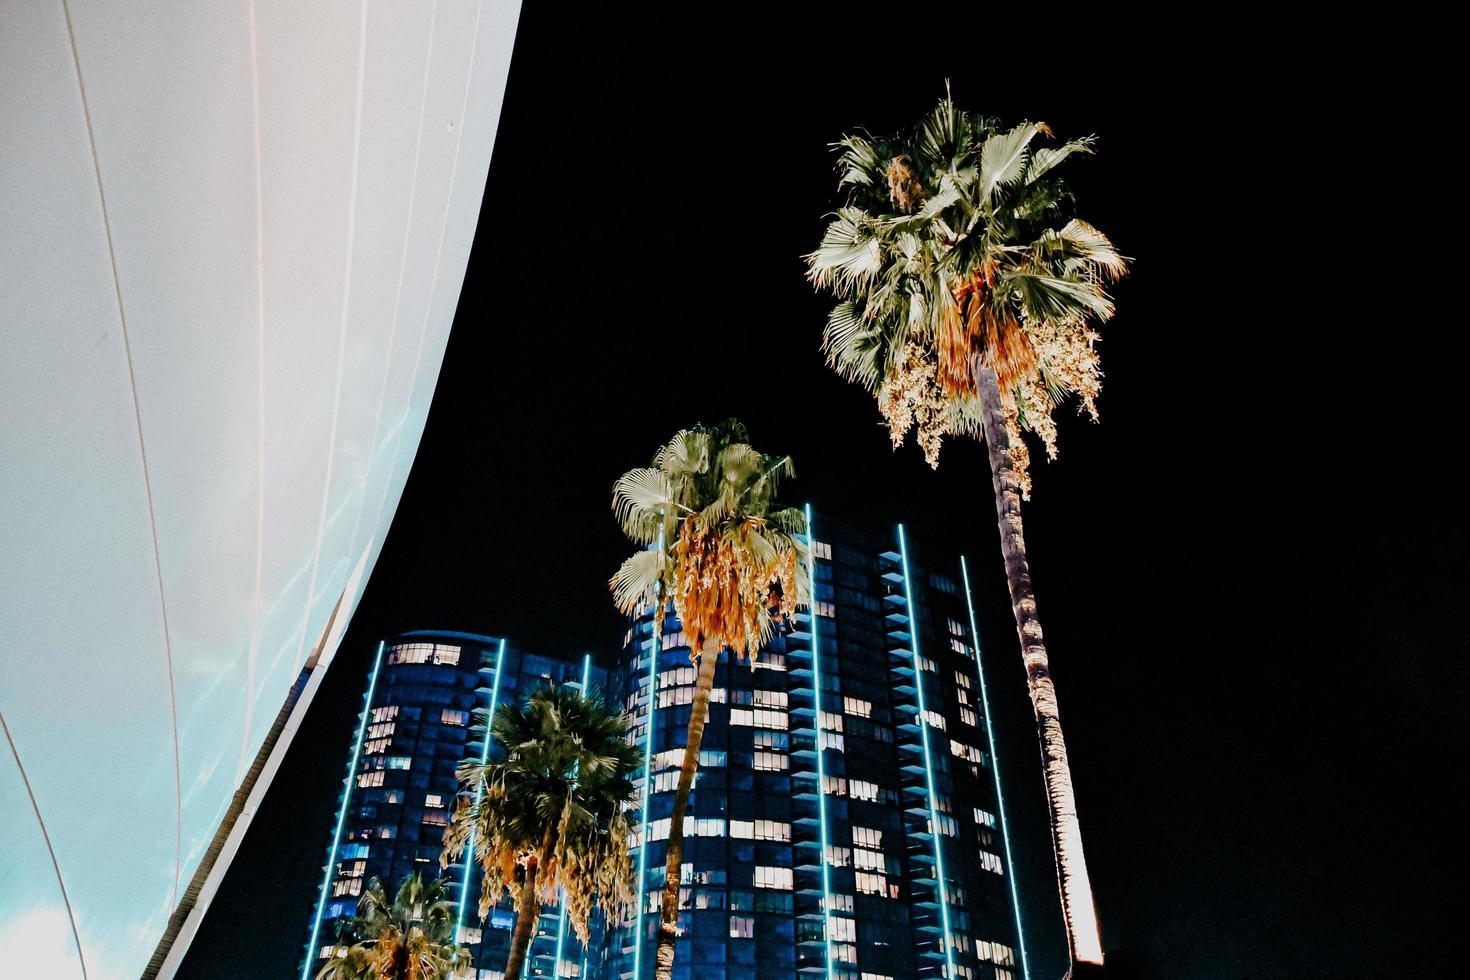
(436, 818)
(385, 713)
(956, 627)
(962, 680)
(831, 721)
(861, 789)
(769, 661)
(991, 862)
(967, 715)
(433, 800)
(869, 860)
(947, 826)
(984, 817)
(867, 837)
(958, 646)
(400, 762)
(934, 718)
(967, 752)
(858, 707)
(871, 884)
(370, 778)
(769, 761)
(825, 609)
(769, 877)
(834, 785)
(838, 857)
(769, 699)
(822, 549)
(448, 717)
(376, 746)
(382, 729)
(742, 926)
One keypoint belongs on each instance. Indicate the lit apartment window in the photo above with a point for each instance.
(857, 707)
(967, 715)
(769, 661)
(376, 746)
(825, 609)
(450, 717)
(676, 677)
(947, 826)
(385, 713)
(967, 752)
(861, 789)
(844, 930)
(867, 837)
(370, 779)
(838, 857)
(868, 860)
(822, 549)
(769, 761)
(958, 646)
(984, 817)
(834, 740)
(436, 818)
(434, 800)
(831, 721)
(769, 699)
(400, 762)
(991, 862)
(871, 884)
(934, 718)
(956, 627)
(962, 679)
(769, 877)
(834, 785)
(926, 664)
(382, 729)
(742, 927)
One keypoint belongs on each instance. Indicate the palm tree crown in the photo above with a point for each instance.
(406, 938)
(551, 815)
(951, 257)
(727, 559)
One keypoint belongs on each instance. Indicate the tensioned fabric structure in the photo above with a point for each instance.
(232, 240)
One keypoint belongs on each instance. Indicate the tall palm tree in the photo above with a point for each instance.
(967, 305)
(715, 545)
(409, 937)
(551, 814)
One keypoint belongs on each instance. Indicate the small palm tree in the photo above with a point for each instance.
(407, 938)
(715, 545)
(968, 306)
(551, 814)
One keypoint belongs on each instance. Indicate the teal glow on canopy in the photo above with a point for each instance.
(469, 848)
(811, 569)
(934, 827)
(321, 902)
(1000, 802)
(647, 789)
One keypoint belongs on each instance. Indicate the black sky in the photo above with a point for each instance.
(1253, 591)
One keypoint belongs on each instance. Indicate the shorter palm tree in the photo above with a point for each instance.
(407, 938)
(551, 816)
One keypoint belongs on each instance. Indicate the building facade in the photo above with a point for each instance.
(419, 724)
(847, 817)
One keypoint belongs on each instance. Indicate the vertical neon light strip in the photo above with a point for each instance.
(811, 568)
(934, 827)
(469, 849)
(561, 918)
(647, 788)
(1005, 835)
(321, 904)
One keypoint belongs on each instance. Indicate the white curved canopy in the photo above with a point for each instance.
(232, 239)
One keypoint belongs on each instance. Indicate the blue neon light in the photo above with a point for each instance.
(561, 918)
(811, 568)
(1000, 802)
(934, 827)
(321, 904)
(647, 787)
(469, 850)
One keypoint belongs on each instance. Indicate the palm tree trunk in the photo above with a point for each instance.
(668, 925)
(1083, 939)
(520, 940)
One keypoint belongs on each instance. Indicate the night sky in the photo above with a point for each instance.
(1254, 594)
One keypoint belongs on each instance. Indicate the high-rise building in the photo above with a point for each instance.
(847, 817)
(418, 725)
